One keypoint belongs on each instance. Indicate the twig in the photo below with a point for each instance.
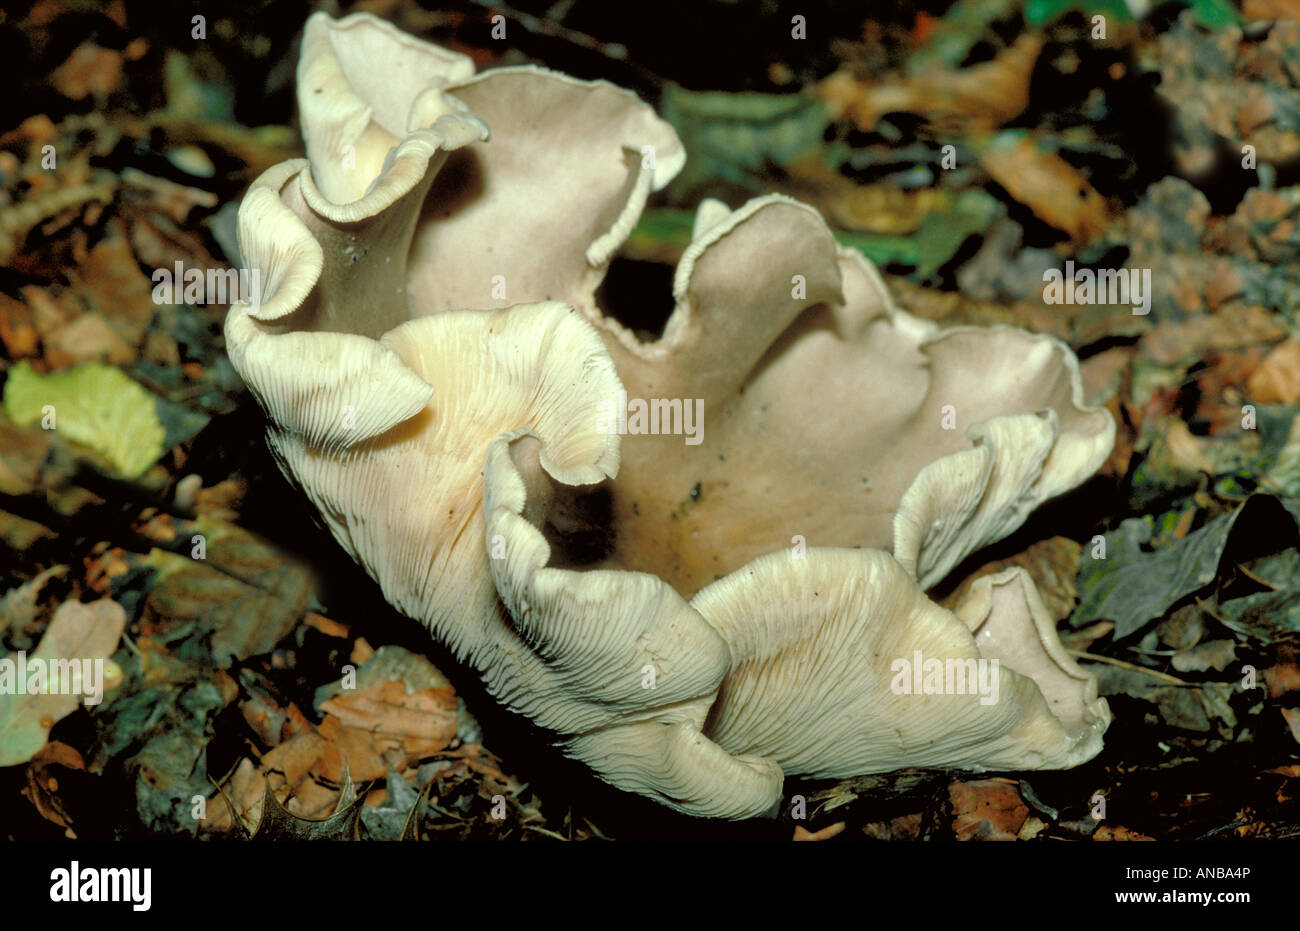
(1080, 654)
(533, 827)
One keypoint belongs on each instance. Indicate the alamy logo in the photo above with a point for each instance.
(24, 675)
(656, 416)
(207, 286)
(134, 885)
(1130, 286)
(951, 676)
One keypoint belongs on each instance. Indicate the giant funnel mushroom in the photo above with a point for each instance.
(437, 374)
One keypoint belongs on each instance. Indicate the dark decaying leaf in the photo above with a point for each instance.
(278, 823)
(213, 617)
(411, 829)
(903, 784)
(390, 819)
(1132, 587)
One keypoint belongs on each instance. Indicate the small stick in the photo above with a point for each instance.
(1080, 654)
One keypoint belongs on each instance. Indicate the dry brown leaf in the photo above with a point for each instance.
(17, 332)
(113, 284)
(826, 833)
(1176, 454)
(987, 809)
(1047, 184)
(361, 651)
(1053, 564)
(984, 96)
(304, 774)
(1104, 374)
(388, 722)
(50, 311)
(18, 606)
(77, 631)
(43, 783)
(1282, 678)
(90, 71)
(365, 753)
(368, 732)
(869, 208)
(1277, 380)
(222, 500)
(89, 338)
(1118, 832)
(1233, 327)
(289, 768)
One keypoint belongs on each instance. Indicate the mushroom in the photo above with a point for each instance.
(438, 376)
(807, 671)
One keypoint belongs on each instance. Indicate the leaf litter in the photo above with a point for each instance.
(940, 146)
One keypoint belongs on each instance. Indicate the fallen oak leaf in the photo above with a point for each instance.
(221, 618)
(386, 719)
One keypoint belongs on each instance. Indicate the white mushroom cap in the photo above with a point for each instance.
(434, 438)
(785, 666)
(858, 392)
(620, 660)
(1009, 620)
(814, 685)
(831, 406)
(362, 87)
(407, 503)
(559, 205)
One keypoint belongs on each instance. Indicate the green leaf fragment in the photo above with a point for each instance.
(659, 228)
(95, 405)
(942, 233)
(734, 136)
(1217, 14)
(1038, 12)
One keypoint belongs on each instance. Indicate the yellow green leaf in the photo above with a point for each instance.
(95, 405)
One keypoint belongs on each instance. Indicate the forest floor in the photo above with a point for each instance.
(965, 150)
